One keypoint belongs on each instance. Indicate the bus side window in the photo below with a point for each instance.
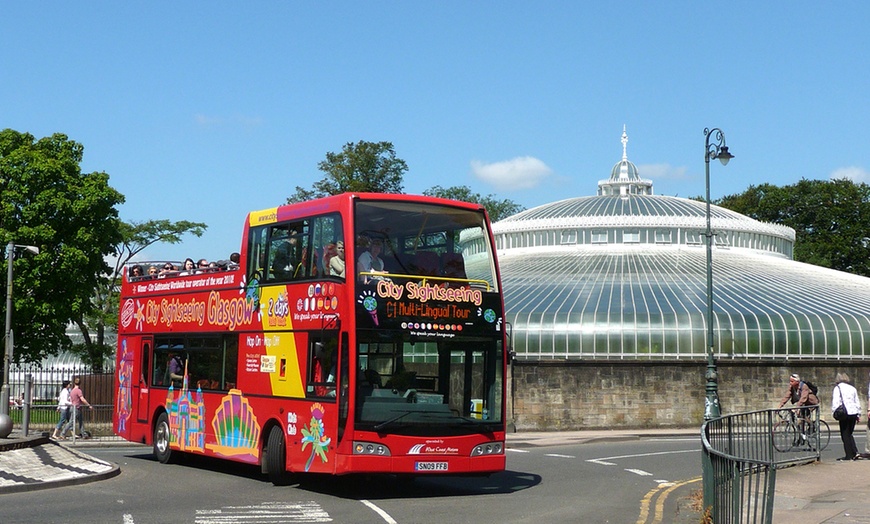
(143, 368)
(321, 367)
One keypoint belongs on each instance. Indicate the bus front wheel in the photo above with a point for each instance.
(161, 440)
(276, 457)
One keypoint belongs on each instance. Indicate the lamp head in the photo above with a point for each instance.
(724, 155)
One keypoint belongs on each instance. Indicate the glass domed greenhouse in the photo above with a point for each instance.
(622, 275)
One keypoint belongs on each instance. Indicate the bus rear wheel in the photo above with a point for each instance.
(276, 457)
(161, 440)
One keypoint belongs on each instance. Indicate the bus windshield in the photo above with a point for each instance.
(429, 388)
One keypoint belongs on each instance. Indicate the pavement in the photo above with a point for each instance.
(821, 492)
(34, 462)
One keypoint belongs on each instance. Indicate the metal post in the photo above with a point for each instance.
(716, 150)
(7, 341)
(25, 419)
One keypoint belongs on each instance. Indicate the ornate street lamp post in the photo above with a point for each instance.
(716, 149)
(8, 341)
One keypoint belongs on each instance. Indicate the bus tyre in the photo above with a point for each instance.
(161, 440)
(276, 457)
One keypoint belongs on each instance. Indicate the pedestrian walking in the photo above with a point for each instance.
(77, 398)
(63, 408)
(846, 395)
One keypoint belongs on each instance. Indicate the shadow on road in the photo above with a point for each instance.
(373, 487)
(382, 487)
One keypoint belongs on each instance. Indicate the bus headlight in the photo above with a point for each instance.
(490, 448)
(370, 448)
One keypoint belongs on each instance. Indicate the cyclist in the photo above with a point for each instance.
(800, 395)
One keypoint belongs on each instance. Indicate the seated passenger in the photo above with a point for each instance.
(153, 272)
(370, 262)
(136, 272)
(201, 266)
(336, 261)
(283, 264)
(189, 267)
(169, 270)
(176, 368)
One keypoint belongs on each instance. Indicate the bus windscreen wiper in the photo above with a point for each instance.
(390, 421)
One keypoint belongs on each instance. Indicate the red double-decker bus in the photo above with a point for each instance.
(358, 333)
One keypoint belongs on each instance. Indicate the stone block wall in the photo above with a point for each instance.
(562, 396)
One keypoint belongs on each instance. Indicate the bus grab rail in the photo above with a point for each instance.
(377, 275)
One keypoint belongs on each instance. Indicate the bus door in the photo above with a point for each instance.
(141, 388)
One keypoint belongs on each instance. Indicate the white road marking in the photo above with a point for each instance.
(518, 450)
(559, 456)
(602, 462)
(128, 519)
(267, 512)
(640, 472)
(384, 515)
(646, 454)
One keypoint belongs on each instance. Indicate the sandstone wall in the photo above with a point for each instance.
(552, 396)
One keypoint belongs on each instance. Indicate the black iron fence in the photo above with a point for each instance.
(742, 452)
(33, 392)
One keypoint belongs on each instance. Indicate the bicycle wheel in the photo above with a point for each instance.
(824, 435)
(784, 435)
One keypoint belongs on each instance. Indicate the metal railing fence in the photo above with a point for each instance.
(741, 454)
(33, 398)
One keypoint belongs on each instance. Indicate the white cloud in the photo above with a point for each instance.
(207, 121)
(656, 172)
(518, 173)
(853, 173)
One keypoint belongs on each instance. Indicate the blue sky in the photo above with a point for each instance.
(204, 111)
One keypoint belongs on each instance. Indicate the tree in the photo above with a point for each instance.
(497, 209)
(831, 219)
(135, 237)
(362, 167)
(46, 201)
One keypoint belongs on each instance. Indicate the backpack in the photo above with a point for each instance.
(796, 394)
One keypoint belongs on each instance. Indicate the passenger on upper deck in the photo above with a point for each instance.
(189, 267)
(336, 261)
(234, 261)
(153, 271)
(136, 272)
(168, 270)
(369, 261)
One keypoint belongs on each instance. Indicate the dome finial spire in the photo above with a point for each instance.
(624, 143)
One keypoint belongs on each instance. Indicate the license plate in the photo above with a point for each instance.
(430, 466)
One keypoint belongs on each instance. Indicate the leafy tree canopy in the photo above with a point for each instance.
(831, 219)
(497, 209)
(47, 202)
(362, 167)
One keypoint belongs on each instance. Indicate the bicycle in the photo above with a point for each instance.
(793, 431)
